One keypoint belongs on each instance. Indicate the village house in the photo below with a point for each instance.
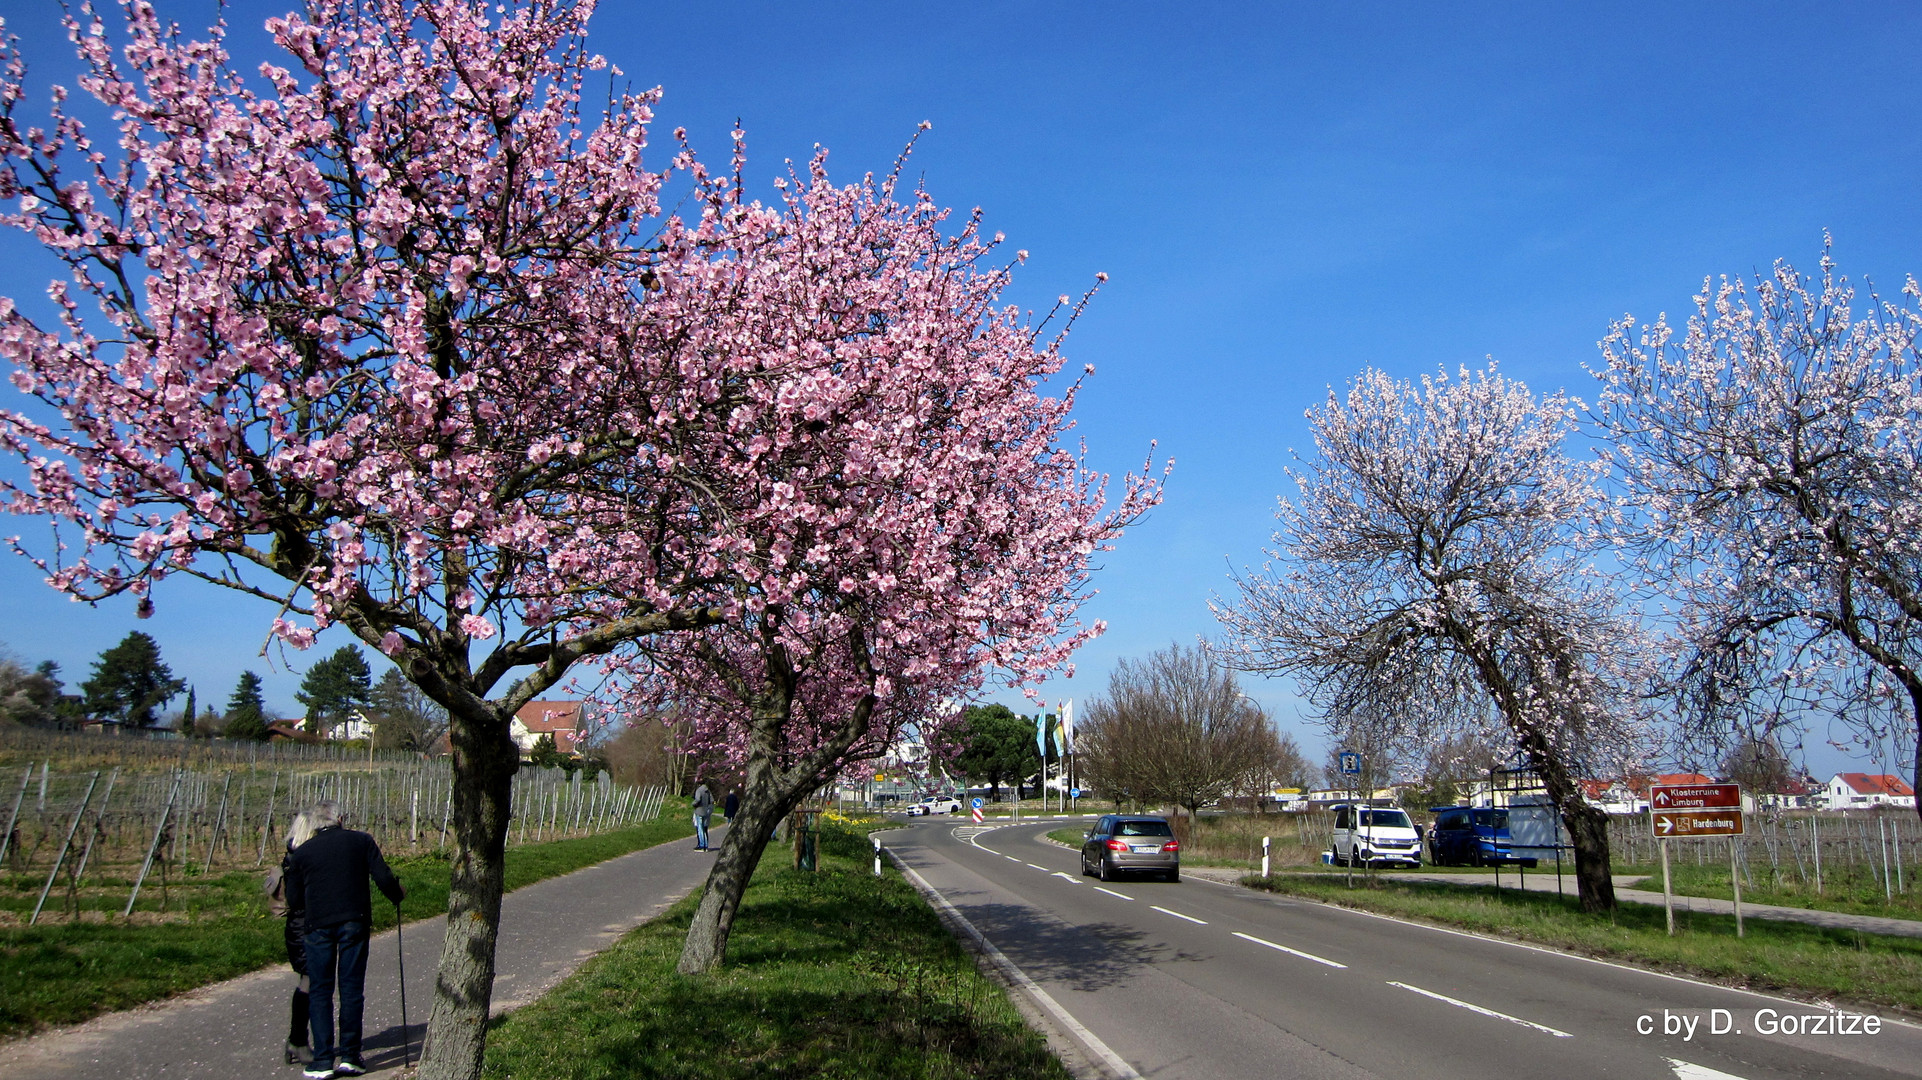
(566, 721)
(1862, 791)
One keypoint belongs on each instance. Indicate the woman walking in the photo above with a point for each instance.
(295, 929)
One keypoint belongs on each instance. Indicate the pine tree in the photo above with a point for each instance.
(130, 682)
(247, 710)
(188, 714)
(334, 687)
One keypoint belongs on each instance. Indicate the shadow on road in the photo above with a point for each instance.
(1090, 956)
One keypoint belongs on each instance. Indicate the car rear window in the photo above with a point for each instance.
(1385, 819)
(1143, 828)
(1492, 819)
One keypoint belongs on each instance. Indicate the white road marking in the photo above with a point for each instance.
(1289, 951)
(1043, 869)
(1121, 1069)
(1111, 892)
(1010, 858)
(1687, 1071)
(1178, 915)
(1458, 1003)
(1072, 880)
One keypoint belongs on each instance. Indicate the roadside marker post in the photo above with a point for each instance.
(877, 854)
(1264, 858)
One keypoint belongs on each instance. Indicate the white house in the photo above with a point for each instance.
(564, 720)
(1854, 790)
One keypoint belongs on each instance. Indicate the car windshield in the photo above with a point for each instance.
(1492, 819)
(1143, 828)
(1385, 819)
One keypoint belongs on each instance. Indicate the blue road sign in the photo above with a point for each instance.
(1074, 793)
(976, 802)
(1350, 762)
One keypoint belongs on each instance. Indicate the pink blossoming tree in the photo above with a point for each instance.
(1432, 578)
(358, 337)
(908, 521)
(1775, 452)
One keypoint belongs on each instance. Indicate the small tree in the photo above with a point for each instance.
(1176, 727)
(30, 697)
(405, 718)
(990, 743)
(130, 682)
(1432, 577)
(1775, 454)
(247, 710)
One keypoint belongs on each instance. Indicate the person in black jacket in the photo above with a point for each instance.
(327, 878)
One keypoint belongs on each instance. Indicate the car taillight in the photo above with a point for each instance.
(1116, 845)
(1171, 846)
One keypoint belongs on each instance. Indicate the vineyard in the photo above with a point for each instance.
(100, 828)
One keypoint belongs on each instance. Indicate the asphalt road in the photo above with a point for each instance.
(1216, 982)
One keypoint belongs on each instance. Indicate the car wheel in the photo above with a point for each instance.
(1104, 871)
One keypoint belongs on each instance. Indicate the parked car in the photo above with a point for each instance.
(1130, 844)
(1471, 836)
(1374, 836)
(936, 804)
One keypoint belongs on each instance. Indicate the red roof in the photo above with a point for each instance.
(561, 719)
(1875, 783)
(1682, 779)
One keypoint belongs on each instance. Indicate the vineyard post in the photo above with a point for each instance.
(155, 846)
(72, 830)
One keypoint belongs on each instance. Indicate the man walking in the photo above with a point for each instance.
(329, 874)
(703, 809)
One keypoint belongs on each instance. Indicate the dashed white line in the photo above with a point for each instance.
(1688, 1071)
(1043, 869)
(1111, 892)
(1458, 1003)
(1178, 915)
(1010, 858)
(1289, 951)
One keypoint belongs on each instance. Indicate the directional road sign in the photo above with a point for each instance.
(1694, 796)
(976, 802)
(1669, 824)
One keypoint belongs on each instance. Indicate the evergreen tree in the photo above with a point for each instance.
(995, 745)
(188, 714)
(247, 710)
(334, 687)
(130, 682)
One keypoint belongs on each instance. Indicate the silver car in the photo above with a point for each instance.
(1131, 844)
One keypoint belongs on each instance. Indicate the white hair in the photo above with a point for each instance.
(325, 814)
(300, 830)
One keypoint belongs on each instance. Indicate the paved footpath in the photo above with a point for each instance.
(235, 1029)
(1545, 882)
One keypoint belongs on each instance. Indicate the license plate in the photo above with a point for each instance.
(1151, 849)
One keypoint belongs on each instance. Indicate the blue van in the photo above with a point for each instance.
(1471, 836)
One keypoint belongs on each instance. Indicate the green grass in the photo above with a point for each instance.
(1783, 957)
(62, 973)
(835, 974)
(1852, 896)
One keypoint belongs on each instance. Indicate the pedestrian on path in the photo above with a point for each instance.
(293, 931)
(731, 804)
(327, 877)
(703, 809)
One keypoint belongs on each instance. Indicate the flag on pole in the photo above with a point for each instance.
(1067, 726)
(1041, 734)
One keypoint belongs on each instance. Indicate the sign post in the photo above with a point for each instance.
(1351, 766)
(1683, 811)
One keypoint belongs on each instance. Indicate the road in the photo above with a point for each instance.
(1216, 982)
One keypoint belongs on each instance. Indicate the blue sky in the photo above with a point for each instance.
(1281, 194)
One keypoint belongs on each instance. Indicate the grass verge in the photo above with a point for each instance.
(1850, 896)
(63, 973)
(1781, 957)
(833, 974)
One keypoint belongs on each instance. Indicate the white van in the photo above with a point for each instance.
(1374, 836)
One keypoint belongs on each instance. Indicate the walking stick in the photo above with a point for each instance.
(400, 954)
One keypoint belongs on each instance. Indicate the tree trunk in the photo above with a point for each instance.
(763, 805)
(485, 760)
(1594, 878)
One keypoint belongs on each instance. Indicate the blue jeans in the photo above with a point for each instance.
(700, 830)
(336, 955)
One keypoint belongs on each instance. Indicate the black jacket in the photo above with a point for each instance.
(328, 877)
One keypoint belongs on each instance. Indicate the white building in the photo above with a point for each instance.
(1862, 791)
